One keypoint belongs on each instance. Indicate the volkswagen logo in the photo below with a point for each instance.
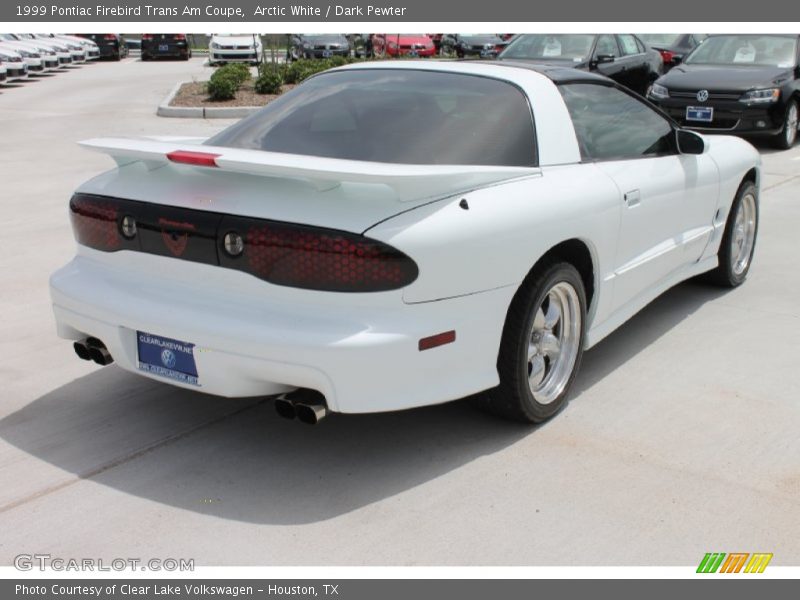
(168, 358)
(702, 95)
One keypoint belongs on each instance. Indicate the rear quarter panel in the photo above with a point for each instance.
(505, 231)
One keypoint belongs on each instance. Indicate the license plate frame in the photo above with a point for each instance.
(166, 357)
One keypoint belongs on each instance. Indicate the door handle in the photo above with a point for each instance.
(633, 198)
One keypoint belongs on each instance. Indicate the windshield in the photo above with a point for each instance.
(575, 47)
(744, 50)
(394, 116)
(661, 39)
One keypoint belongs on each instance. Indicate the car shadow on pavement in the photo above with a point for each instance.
(660, 316)
(237, 460)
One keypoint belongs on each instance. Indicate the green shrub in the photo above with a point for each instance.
(269, 82)
(226, 80)
(239, 72)
(222, 87)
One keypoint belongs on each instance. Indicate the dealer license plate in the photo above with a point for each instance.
(166, 357)
(700, 113)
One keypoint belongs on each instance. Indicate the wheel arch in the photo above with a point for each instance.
(578, 253)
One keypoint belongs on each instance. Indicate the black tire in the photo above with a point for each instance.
(788, 135)
(513, 398)
(725, 275)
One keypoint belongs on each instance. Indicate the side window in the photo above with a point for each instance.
(606, 44)
(628, 44)
(611, 125)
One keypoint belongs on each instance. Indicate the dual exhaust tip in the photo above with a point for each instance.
(94, 350)
(307, 406)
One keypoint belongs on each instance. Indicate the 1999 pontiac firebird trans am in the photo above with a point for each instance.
(393, 235)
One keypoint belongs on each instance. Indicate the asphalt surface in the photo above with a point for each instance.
(681, 437)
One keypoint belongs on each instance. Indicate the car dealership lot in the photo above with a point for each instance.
(680, 438)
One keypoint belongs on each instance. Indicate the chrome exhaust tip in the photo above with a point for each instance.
(93, 349)
(82, 350)
(308, 406)
(285, 408)
(311, 414)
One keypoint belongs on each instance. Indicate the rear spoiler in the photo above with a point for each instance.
(409, 182)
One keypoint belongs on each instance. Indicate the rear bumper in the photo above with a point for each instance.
(360, 351)
(172, 50)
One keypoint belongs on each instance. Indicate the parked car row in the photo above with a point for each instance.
(25, 54)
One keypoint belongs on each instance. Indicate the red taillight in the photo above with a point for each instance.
(188, 157)
(440, 339)
(94, 222)
(147, 36)
(667, 56)
(180, 36)
(318, 259)
(109, 36)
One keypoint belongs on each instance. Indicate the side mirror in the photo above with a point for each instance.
(677, 59)
(690, 142)
(605, 58)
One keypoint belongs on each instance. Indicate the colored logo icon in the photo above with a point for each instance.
(736, 562)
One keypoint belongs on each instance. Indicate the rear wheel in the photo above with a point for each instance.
(739, 240)
(542, 345)
(788, 136)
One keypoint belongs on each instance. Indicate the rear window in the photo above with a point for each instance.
(394, 116)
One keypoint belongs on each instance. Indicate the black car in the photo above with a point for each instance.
(484, 45)
(322, 45)
(165, 45)
(111, 45)
(743, 84)
(623, 57)
(672, 46)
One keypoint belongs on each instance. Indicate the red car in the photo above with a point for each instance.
(402, 44)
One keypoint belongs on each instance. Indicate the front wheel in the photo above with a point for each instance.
(787, 137)
(542, 345)
(739, 240)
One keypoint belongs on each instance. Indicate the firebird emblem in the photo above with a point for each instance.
(174, 240)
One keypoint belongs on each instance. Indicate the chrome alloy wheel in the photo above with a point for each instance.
(790, 128)
(744, 234)
(553, 342)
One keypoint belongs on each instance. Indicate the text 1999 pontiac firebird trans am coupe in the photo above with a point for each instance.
(387, 236)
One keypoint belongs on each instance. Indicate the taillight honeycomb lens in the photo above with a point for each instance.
(94, 222)
(321, 259)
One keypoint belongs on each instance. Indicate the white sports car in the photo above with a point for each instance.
(393, 235)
